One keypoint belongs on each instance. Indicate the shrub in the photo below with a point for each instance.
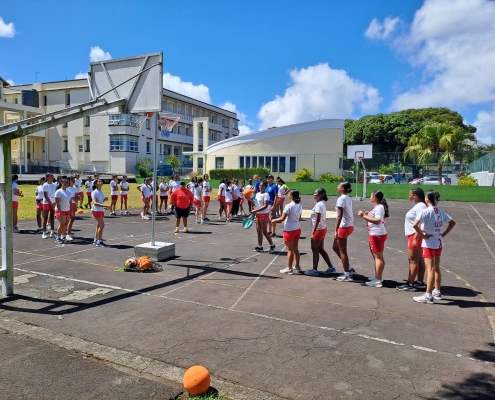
(329, 178)
(143, 167)
(241, 173)
(304, 175)
(467, 181)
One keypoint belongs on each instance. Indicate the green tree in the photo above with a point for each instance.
(174, 161)
(440, 143)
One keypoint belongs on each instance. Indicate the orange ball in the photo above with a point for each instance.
(197, 380)
(80, 212)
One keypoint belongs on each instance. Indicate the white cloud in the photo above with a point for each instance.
(319, 92)
(7, 30)
(452, 44)
(176, 84)
(243, 121)
(11, 82)
(81, 75)
(485, 125)
(98, 54)
(377, 30)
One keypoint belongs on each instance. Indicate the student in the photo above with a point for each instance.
(146, 194)
(249, 192)
(198, 200)
(15, 201)
(182, 198)
(242, 187)
(221, 199)
(283, 189)
(344, 226)
(114, 194)
(236, 197)
(79, 189)
(192, 184)
(89, 189)
(417, 266)
(291, 215)
(318, 217)
(98, 211)
(124, 191)
(375, 219)
(48, 205)
(429, 225)
(256, 184)
(72, 190)
(272, 190)
(63, 206)
(206, 196)
(262, 212)
(228, 200)
(164, 188)
(174, 185)
(39, 200)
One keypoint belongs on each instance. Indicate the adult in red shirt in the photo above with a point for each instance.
(182, 199)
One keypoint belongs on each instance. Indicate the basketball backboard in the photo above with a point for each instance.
(362, 150)
(138, 79)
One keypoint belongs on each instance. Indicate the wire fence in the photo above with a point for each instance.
(483, 164)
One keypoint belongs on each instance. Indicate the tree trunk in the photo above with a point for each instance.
(440, 173)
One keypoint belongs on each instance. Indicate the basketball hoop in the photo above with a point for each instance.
(167, 121)
(136, 122)
(357, 160)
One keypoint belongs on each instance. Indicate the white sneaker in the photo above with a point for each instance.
(297, 270)
(371, 278)
(69, 238)
(286, 271)
(374, 283)
(198, 221)
(437, 295)
(423, 299)
(53, 234)
(352, 271)
(44, 236)
(344, 278)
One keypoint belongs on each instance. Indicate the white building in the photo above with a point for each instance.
(104, 143)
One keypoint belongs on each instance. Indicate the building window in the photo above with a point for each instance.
(170, 107)
(248, 162)
(123, 143)
(148, 147)
(255, 162)
(147, 123)
(341, 165)
(81, 148)
(87, 145)
(66, 145)
(87, 121)
(179, 130)
(241, 162)
(160, 148)
(179, 109)
(65, 125)
(188, 131)
(188, 111)
(218, 162)
(235, 124)
(45, 100)
(268, 162)
(293, 164)
(67, 99)
(16, 101)
(200, 162)
(194, 113)
(274, 164)
(281, 165)
(261, 162)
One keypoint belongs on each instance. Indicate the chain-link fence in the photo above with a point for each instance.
(483, 164)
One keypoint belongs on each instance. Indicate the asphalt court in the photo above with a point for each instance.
(221, 304)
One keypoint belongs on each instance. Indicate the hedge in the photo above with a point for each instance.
(241, 173)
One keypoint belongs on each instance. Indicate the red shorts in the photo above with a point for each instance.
(206, 199)
(431, 253)
(280, 199)
(263, 217)
(197, 203)
(242, 201)
(73, 207)
(229, 202)
(222, 199)
(344, 233)
(290, 236)
(38, 206)
(114, 196)
(419, 240)
(377, 243)
(46, 207)
(123, 196)
(89, 196)
(320, 234)
(63, 214)
(147, 199)
(98, 214)
(15, 205)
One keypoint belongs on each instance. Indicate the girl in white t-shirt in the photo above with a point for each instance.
(164, 189)
(114, 194)
(291, 215)
(98, 209)
(262, 211)
(63, 210)
(318, 217)
(221, 198)
(429, 225)
(414, 241)
(242, 187)
(228, 200)
(79, 189)
(72, 189)
(89, 189)
(124, 191)
(377, 233)
(206, 196)
(197, 191)
(39, 199)
(344, 226)
(146, 193)
(283, 190)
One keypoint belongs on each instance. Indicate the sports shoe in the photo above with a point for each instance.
(311, 272)
(406, 288)
(69, 238)
(59, 241)
(220, 217)
(437, 295)
(146, 217)
(99, 243)
(371, 278)
(344, 278)
(258, 248)
(127, 213)
(45, 235)
(202, 222)
(423, 299)
(419, 285)
(206, 219)
(286, 271)
(198, 221)
(243, 213)
(121, 213)
(374, 283)
(297, 270)
(330, 270)
(15, 229)
(53, 234)
(272, 248)
(352, 271)
(176, 230)
(185, 230)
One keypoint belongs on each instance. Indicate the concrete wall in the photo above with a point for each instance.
(484, 178)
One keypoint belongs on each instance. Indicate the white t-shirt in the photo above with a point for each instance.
(163, 186)
(114, 188)
(206, 189)
(72, 190)
(99, 197)
(78, 183)
(39, 192)
(221, 189)
(411, 215)
(259, 201)
(191, 185)
(174, 185)
(281, 191)
(432, 219)
(319, 208)
(145, 191)
(228, 194)
(197, 192)
(293, 212)
(236, 190)
(89, 186)
(124, 187)
(49, 188)
(14, 186)
(345, 202)
(64, 197)
(374, 229)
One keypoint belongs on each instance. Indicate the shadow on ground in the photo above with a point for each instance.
(474, 387)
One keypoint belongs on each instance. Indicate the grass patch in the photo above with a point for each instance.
(210, 395)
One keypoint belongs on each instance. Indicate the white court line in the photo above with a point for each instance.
(486, 223)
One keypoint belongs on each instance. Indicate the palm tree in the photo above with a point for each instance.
(438, 142)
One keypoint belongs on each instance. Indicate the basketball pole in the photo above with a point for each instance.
(154, 193)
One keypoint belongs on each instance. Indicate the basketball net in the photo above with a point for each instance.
(167, 121)
(136, 122)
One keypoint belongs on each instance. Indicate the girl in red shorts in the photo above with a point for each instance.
(74, 196)
(98, 210)
(377, 234)
(197, 190)
(318, 217)
(114, 194)
(63, 210)
(262, 212)
(221, 199)
(206, 196)
(429, 225)
(291, 215)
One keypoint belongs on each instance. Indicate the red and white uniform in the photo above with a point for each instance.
(292, 226)
(99, 197)
(164, 188)
(259, 201)
(78, 185)
(114, 190)
(197, 190)
(124, 189)
(50, 189)
(72, 190)
(39, 195)
(409, 231)
(206, 191)
(432, 219)
(146, 192)
(377, 232)
(321, 229)
(64, 197)
(347, 223)
(89, 187)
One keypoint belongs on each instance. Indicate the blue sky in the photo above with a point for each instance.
(274, 62)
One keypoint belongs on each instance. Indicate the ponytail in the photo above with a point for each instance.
(295, 196)
(433, 197)
(381, 198)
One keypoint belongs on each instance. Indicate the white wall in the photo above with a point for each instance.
(484, 178)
